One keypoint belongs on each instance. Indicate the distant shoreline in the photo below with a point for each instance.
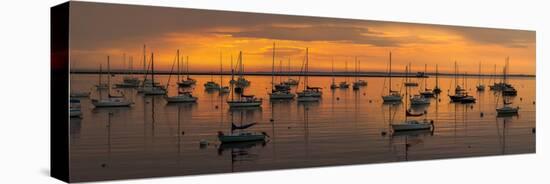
(336, 74)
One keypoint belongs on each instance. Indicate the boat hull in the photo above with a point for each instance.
(240, 138)
(411, 127)
(244, 104)
(392, 98)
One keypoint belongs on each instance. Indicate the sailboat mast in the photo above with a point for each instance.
(333, 70)
(144, 61)
(306, 69)
(273, 66)
(479, 74)
(109, 75)
(231, 84)
(187, 67)
(437, 75)
(390, 75)
(100, 74)
(221, 71)
(178, 60)
(152, 70)
(425, 79)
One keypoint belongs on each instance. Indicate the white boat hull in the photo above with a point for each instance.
(410, 127)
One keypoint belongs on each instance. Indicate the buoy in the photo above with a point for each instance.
(481, 114)
(440, 100)
(216, 107)
(337, 98)
(103, 165)
(425, 112)
(472, 107)
(533, 130)
(307, 108)
(533, 102)
(370, 101)
(182, 133)
(364, 94)
(383, 133)
(520, 99)
(271, 119)
(288, 127)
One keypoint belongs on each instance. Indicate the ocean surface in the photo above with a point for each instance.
(152, 138)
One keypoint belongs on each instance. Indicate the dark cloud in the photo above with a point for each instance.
(503, 37)
(98, 25)
(331, 33)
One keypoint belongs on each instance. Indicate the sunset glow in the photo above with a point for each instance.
(203, 35)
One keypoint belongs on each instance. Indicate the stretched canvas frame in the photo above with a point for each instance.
(355, 121)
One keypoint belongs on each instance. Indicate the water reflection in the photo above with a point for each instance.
(156, 138)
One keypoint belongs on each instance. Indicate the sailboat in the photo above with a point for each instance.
(129, 81)
(411, 125)
(182, 96)
(223, 89)
(360, 82)
(417, 99)
(356, 85)
(110, 101)
(507, 109)
(344, 84)
(153, 89)
(290, 81)
(408, 83)
(427, 93)
(74, 108)
(333, 85)
(240, 135)
(281, 92)
(242, 100)
(240, 83)
(508, 89)
(436, 89)
(100, 85)
(211, 85)
(480, 86)
(308, 94)
(188, 81)
(392, 96)
(460, 93)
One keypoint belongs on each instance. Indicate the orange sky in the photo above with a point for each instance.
(98, 30)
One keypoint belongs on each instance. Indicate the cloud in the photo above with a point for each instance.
(319, 32)
(504, 37)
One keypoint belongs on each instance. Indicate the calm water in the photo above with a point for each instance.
(153, 138)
